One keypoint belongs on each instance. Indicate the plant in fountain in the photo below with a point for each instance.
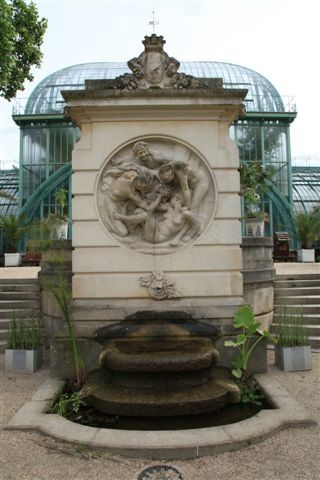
(68, 404)
(245, 342)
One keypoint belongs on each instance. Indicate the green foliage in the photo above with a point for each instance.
(246, 341)
(21, 36)
(40, 236)
(13, 229)
(61, 198)
(60, 289)
(291, 330)
(68, 403)
(307, 227)
(255, 180)
(23, 336)
(250, 392)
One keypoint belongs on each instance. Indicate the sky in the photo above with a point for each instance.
(277, 38)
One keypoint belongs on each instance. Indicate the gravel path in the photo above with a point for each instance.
(292, 454)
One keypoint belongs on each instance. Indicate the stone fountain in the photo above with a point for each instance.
(156, 236)
(159, 365)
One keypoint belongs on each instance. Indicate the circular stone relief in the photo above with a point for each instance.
(155, 195)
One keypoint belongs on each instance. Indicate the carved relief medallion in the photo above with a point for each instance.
(155, 195)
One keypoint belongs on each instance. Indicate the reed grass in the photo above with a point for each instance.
(23, 335)
(290, 329)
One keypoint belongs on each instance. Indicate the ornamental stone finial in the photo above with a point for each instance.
(153, 68)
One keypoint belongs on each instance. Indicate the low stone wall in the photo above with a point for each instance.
(258, 277)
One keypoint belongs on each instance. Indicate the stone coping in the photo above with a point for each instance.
(164, 444)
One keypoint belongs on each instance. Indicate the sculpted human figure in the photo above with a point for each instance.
(128, 186)
(193, 182)
(148, 158)
(176, 222)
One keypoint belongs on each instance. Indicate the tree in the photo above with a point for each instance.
(21, 36)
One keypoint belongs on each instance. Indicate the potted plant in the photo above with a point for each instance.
(307, 225)
(254, 183)
(58, 219)
(23, 351)
(13, 228)
(292, 349)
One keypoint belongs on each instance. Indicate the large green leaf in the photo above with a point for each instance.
(243, 317)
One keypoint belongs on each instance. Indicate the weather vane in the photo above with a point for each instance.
(153, 22)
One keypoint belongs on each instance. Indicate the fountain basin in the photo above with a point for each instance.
(189, 443)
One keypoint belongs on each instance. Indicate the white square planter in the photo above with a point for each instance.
(254, 227)
(60, 231)
(306, 255)
(27, 360)
(293, 359)
(12, 259)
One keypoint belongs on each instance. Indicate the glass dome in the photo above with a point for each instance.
(46, 97)
(306, 188)
(9, 190)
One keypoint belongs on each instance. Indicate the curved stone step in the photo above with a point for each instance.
(18, 296)
(309, 318)
(297, 300)
(297, 292)
(34, 287)
(19, 304)
(296, 283)
(298, 276)
(19, 281)
(19, 313)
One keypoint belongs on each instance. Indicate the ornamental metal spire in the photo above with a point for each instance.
(153, 22)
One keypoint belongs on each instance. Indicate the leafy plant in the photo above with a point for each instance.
(60, 289)
(250, 392)
(13, 229)
(22, 34)
(68, 403)
(61, 198)
(307, 227)
(246, 341)
(23, 336)
(255, 181)
(291, 330)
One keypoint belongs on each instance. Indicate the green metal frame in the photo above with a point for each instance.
(49, 185)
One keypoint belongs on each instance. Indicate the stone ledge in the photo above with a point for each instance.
(166, 444)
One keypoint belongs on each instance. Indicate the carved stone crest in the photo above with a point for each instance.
(155, 195)
(153, 68)
(158, 286)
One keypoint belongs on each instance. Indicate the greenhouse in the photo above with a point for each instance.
(47, 137)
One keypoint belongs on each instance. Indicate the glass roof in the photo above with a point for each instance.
(306, 188)
(9, 185)
(46, 97)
